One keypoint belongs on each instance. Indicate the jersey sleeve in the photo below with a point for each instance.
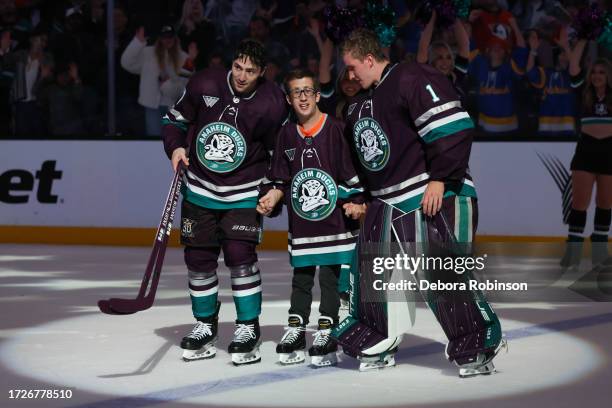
(176, 122)
(442, 123)
(518, 60)
(279, 173)
(349, 185)
(537, 77)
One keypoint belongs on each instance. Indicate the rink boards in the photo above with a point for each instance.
(92, 188)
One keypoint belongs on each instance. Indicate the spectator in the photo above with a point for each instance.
(491, 22)
(259, 29)
(557, 101)
(195, 28)
(439, 54)
(61, 98)
(163, 68)
(130, 115)
(26, 68)
(6, 81)
(495, 75)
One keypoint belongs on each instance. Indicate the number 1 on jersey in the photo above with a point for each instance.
(434, 97)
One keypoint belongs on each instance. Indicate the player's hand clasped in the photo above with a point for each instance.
(432, 198)
(355, 211)
(267, 203)
(179, 155)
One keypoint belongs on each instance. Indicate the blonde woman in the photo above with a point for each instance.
(163, 68)
(592, 162)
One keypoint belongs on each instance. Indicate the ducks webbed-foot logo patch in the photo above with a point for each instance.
(371, 143)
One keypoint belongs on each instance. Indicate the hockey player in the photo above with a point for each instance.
(223, 129)
(312, 169)
(413, 139)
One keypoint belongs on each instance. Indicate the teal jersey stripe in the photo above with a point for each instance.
(448, 129)
(207, 202)
(463, 220)
(333, 258)
(415, 202)
(345, 193)
(182, 126)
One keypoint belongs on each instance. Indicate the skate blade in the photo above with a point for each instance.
(486, 369)
(208, 351)
(330, 359)
(388, 361)
(296, 357)
(251, 357)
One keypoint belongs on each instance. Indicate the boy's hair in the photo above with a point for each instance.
(360, 43)
(252, 49)
(300, 73)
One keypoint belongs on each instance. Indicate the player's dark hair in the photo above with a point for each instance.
(300, 73)
(253, 50)
(360, 43)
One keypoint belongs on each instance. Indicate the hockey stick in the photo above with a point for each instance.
(152, 273)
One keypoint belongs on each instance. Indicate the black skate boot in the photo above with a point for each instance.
(293, 343)
(324, 348)
(245, 346)
(200, 343)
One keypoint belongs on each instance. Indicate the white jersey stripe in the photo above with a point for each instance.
(223, 189)
(435, 110)
(441, 122)
(400, 186)
(324, 238)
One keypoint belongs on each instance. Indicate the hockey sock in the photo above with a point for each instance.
(203, 291)
(602, 225)
(246, 290)
(576, 221)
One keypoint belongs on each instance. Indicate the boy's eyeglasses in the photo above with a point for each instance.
(297, 93)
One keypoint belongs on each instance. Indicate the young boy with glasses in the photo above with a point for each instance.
(312, 169)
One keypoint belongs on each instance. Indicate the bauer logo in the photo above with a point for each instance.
(17, 186)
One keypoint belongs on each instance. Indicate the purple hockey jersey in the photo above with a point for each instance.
(233, 136)
(409, 129)
(317, 177)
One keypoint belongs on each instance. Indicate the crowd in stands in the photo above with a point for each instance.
(508, 59)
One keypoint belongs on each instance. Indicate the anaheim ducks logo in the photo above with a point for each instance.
(371, 143)
(313, 194)
(220, 147)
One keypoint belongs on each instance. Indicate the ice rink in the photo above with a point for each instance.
(52, 336)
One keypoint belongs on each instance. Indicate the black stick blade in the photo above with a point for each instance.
(104, 306)
(129, 306)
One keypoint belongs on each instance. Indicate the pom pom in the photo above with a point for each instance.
(462, 8)
(339, 22)
(447, 11)
(589, 22)
(605, 38)
(381, 20)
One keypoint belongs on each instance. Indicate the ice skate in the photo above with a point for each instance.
(200, 343)
(384, 360)
(483, 364)
(324, 348)
(573, 254)
(245, 346)
(291, 347)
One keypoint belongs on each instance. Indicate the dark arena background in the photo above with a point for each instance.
(84, 85)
